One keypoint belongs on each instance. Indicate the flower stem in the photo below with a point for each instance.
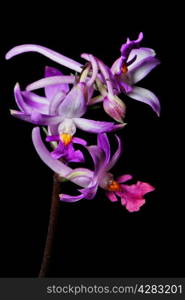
(54, 212)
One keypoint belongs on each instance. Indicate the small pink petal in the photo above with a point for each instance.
(123, 178)
(112, 197)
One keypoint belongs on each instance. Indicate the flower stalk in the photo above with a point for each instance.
(52, 229)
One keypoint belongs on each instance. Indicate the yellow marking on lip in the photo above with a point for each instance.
(66, 138)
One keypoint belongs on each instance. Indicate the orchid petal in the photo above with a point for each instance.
(98, 156)
(133, 206)
(140, 54)
(116, 67)
(79, 141)
(56, 101)
(36, 102)
(81, 176)
(52, 85)
(68, 198)
(106, 72)
(51, 91)
(111, 196)
(51, 138)
(67, 153)
(125, 85)
(36, 118)
(74, 104)
(116, 155)
(93, 126)
(118, 127)
(20, 101)
(58, 152)
(144, 187)
(90, 192)
(104, 144)
(141, 69)
(129, 45)
(92, 59)
(34, 97)
(147, 97)
(55, 56)
(123, 178)
(135, 56)
(75, 156)
(132, 195)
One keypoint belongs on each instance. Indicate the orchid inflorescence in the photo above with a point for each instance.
(62, 110)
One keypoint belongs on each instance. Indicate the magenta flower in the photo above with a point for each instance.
(131, 195)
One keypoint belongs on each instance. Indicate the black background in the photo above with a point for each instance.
(95, 238)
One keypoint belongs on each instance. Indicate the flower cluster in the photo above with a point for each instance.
(62, 110)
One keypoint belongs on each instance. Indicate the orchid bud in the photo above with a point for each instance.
(114, 107)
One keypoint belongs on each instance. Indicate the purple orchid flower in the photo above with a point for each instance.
(61, 110)
(131, 195)
(133, 65)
